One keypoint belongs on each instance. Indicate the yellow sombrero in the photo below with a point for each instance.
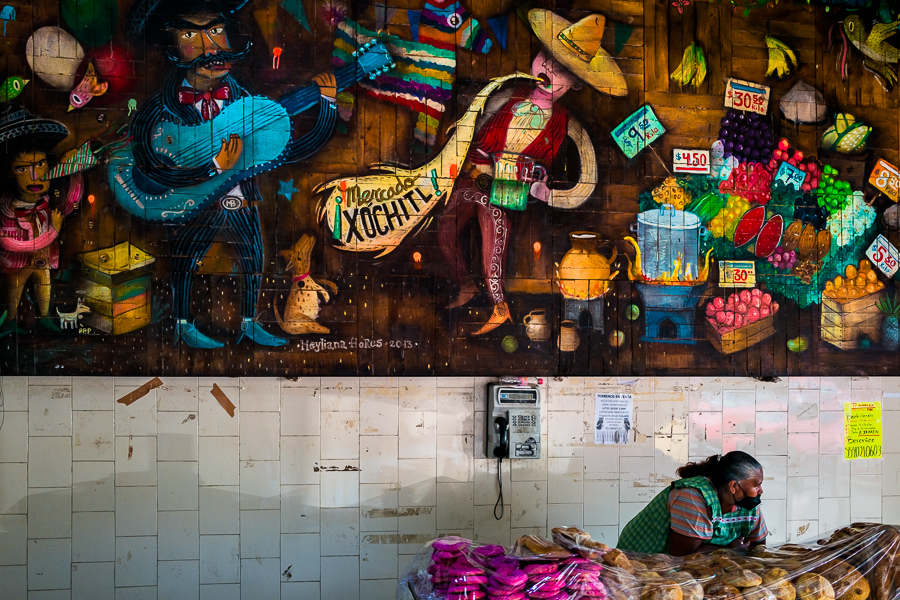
(577, 47)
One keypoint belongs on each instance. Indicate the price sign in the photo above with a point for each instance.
(790, 175)
(886, 178)
(638, 131)
(744, 95)
(883, 254)
(737, 273)
(690, 161)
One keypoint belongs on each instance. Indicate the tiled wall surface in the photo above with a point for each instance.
(325, 488)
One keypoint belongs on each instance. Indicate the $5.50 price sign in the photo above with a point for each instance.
(744, 95)
(737, 273)
(886, 178)
(690, 161)
(883, 254)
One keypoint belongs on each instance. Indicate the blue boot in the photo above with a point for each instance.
(190, 335)
(253, 331)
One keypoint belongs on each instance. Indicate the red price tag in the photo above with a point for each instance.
(744, 95)
(884, 255)
(690, 161)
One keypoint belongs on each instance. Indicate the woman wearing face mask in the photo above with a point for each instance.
(714, 504)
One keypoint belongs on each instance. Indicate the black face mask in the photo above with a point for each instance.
(748, 502)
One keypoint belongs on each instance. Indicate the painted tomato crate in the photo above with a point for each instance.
(845, 324)
(743, 337)
(116, 282)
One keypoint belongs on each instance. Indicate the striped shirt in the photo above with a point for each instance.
(691, 516)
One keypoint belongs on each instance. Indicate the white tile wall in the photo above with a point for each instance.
(327, 487)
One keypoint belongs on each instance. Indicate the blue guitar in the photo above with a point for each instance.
(262, 123)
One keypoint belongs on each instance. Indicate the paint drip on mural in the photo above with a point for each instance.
(374, 213)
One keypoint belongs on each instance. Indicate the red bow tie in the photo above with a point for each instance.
(24, 213)
(208, 108)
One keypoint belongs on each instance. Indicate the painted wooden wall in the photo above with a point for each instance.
(387, 314)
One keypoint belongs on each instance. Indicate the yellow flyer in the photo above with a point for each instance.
(862, 430)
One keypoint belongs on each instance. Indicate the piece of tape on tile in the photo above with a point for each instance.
(132, 397)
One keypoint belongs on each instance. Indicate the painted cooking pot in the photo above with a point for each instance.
(665, 233)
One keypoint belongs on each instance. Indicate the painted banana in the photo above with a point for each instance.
(692, 69)
(781, 58)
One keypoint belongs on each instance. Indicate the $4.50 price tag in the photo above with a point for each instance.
(744, 95)
(886, 178)
(737, 273)
(690, 161)
(883, 254)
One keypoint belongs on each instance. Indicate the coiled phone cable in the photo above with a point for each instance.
(499, 483)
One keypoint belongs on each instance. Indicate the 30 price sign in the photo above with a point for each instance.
(883, 254)
(691, 161)
(744, 95)
(737, 273)
(886, 178)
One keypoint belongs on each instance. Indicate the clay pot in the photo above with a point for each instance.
(536, 326)
(568, 339)
(584, 273)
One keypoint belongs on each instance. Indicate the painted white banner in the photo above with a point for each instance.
(613, 418)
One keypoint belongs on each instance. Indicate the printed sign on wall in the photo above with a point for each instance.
(862, 430)
(613, 414)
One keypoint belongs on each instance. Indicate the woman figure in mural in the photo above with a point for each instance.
(714, 504)
(31, 216)
(516, 140)
(201, 35)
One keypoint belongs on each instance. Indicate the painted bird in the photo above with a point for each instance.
(12, 87)
(878, 52)
(86, 89)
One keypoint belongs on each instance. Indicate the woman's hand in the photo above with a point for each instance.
(742, 544)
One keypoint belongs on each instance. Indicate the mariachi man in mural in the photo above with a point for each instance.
(196, 92)
(514, 145)
(30, 216)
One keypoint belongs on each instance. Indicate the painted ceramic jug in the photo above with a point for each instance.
(536, 326)
(584, 273)
(568, 339)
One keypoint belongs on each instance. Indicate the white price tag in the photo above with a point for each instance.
(690, 161)
(737, 273)
(744, 95)
(884, 256)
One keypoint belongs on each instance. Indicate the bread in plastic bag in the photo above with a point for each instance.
(856, 562)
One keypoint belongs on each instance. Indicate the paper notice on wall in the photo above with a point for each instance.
(862, 430)
(613, 418)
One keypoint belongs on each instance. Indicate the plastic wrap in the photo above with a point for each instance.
(857, 562)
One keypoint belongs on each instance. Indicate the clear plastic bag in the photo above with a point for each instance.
(853, 563)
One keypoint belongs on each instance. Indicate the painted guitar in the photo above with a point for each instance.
(264, 126)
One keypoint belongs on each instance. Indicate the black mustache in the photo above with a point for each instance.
(209, 59)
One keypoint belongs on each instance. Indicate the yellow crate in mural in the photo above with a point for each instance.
(846, 324)
(116, 285)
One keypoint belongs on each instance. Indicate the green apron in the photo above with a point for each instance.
(648, 531)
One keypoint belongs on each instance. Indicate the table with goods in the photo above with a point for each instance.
(857, 562)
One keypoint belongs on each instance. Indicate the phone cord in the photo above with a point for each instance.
(499, 483)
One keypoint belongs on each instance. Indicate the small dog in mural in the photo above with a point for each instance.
(302, 306)
(69, 320)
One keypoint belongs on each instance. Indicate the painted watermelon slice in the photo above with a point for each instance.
(750, 225)
(769, 236)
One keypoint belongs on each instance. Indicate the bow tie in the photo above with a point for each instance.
(208, 108)
(23, 212)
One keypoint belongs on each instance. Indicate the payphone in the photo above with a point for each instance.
(513, 421)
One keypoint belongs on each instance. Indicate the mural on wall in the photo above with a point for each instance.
(350, 188)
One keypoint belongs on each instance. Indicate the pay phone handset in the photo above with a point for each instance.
(513, 422)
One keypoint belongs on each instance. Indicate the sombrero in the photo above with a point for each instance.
(577, 47)
(148, 14)
(17, 122)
